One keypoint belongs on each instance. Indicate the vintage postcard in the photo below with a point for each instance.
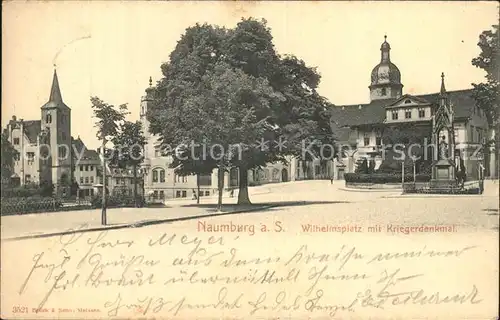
(250, 160)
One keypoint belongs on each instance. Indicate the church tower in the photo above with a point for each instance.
(56, 154)
(385, 77)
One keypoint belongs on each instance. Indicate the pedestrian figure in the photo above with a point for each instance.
(231, 194)
(331, 180)
(194, 195)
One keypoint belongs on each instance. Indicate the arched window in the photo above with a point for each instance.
(158, 175)
(48, 118)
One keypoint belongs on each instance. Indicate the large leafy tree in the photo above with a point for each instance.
(128, 145)
(230, 88)
(486, 93)
(108, 119)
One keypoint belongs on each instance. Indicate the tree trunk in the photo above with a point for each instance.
(304, 169)
(220, 183)
(198, 188)
(243, 197)
(135, 187)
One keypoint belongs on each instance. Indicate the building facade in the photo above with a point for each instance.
(362, 128)
(45, 153)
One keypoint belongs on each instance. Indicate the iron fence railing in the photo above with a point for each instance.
(469, 187)
(11, 206)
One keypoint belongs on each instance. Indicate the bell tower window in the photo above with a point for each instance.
(48, 118)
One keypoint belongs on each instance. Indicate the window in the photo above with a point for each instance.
(86, 168)
(86, 180)
(117, 181)
(471, 134)
(383, 91)
(205, 179)
(27, 178)
(394, 114)
(157, 152)
(207, 193)
(155, 175)
(62, 152)
(184, 193)
(17, 156)
(124, 181)
(378, 141)
(421, 113)
(16, 141)
(479, 135)
(408, 114)
(162, 194)
(48, 118)
(366, 140)
(180, 179)
(177, 194)
(407, 101)
(31, 157)
(91, 168)
(155, 194)
(81, 179)
(162, 175)
(81, 167)
(91, 179)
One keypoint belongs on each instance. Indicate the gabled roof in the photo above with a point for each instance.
(417, 99)
(79, 146)
(32, 129)
(374, 112)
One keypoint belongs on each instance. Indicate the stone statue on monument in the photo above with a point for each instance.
(443, 149)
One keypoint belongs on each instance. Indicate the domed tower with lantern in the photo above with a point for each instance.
(385, 77)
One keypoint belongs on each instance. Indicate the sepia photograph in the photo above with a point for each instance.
(250, 160)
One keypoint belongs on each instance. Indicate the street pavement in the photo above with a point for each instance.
(362, 207)
(343, 270)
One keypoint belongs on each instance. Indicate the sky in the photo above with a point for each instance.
(110, 49)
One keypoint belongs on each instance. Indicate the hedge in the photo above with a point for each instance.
(381, 178)
(29, 205)
(117, 201)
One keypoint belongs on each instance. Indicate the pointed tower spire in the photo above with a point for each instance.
(443, 89)
(55, 91)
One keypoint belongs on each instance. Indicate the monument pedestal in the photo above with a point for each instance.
(443, 175)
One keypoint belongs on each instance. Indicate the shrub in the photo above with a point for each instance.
(29, 205)
(382, 178)
(117, 201)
